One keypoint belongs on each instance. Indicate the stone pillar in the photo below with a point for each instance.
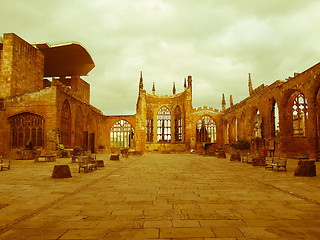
(312, 130)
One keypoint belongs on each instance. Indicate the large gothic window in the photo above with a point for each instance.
(177, 124)
(65, 124)
(164, 125)
(27, 127)
(299, 115)
(121, 135)
(79, 128)
(206, 130)
(149, 126)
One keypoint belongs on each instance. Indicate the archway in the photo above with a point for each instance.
(121, 135)
(206, 130)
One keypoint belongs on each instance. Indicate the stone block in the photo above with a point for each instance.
(115, 157)
(61, 171)
(235, 157)
(305, 168)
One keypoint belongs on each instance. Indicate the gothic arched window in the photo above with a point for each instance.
(177, 124)
(65, 124)
(121, 134)
(299, 115)
(25, 127)
(164, 125)
(206, 130)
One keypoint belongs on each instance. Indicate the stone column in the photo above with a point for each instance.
(312, 130)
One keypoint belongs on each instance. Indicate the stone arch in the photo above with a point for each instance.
(121, 135)
(65, 124)
(299, 109)
(206, 130)
(26, 127)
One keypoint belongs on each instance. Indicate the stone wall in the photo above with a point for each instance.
(21, 67)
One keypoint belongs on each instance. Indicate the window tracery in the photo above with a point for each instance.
(121, 135)
(206, 130)
(299, 115)
(164, 125)
(25, 127)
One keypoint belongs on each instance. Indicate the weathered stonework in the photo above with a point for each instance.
(51, 106)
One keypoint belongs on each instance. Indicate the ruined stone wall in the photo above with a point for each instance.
(200, 112)
(22, 67)
(154, 103)
(82, 87)
(281, 92)
(42, 103)
(91, 117)
(107, 124)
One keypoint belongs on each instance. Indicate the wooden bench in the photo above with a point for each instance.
(4, 164)
(45, 158)
(276, 163)
(87, 163)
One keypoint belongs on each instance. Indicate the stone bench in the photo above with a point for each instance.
(45, 158)
(115, 157)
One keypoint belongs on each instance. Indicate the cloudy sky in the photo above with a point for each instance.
(218, 42)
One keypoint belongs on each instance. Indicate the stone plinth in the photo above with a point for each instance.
(61, 171)
(305, 168)
(258, 161)
(235, 157)
(100, 163)
(221, 153)
(115, 157)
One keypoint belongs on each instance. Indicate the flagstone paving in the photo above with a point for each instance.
(158, 196)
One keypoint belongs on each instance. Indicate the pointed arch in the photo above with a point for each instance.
(206, 130)
(299, 114)
(164, 125)
(121, 134)
(65, 124)
(25, 127)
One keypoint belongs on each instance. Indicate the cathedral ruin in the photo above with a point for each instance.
(44, 100)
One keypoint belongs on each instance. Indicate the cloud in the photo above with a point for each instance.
(217, 42)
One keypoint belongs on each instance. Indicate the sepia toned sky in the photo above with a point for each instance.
(218, 42)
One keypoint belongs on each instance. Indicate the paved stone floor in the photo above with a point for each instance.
(158, 196)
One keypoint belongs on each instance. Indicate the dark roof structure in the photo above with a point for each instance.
(68, 59)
